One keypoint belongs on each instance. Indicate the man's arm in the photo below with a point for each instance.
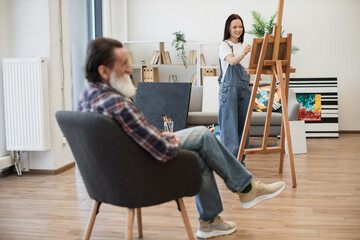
(172, 135)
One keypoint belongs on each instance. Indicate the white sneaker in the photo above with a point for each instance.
(260, 192)
(218, 227)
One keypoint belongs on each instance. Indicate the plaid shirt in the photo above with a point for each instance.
(102, 98)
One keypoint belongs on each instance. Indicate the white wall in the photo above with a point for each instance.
(114, 17)
(60, 83)
(33, 28)
(28, 28)
(325, 31)
(3, 54)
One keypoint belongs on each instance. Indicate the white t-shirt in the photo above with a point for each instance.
(225, 50)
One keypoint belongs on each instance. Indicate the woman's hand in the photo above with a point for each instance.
(232, 60)
(247, 49)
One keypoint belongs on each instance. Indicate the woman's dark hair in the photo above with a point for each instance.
(227, 27)
(100, 51)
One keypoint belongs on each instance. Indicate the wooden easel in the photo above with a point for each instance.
(271, 55)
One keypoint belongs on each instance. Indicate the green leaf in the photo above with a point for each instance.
(258, 26)
(270, 24)
(258, 19)
(261, 25)
(294, 49)
(179, 44)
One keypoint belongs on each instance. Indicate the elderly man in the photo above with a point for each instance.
(107, 70)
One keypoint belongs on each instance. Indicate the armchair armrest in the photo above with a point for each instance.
(293, 106)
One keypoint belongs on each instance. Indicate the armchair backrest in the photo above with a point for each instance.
(116, 170)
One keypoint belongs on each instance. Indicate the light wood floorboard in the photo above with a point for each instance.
(325, 204)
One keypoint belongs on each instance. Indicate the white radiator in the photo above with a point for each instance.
(26, 104)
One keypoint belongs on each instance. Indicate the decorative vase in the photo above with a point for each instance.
(173, 78)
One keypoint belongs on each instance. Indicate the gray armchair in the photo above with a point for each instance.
(116, 170)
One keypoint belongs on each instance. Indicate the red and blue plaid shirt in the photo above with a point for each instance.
(101, 98)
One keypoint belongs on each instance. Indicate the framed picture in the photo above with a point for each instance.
(310, 107)
(318, 98)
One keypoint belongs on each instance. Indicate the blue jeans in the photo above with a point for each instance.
(213, 157)
(234, 98)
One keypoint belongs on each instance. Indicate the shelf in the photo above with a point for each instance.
(155, 42)
(145, 50)
(138, 66)
(209, 67)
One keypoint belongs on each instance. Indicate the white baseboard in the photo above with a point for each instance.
(5, 162)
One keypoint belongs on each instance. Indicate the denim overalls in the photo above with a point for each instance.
(234, 97)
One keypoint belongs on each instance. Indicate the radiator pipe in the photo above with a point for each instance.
(15, 157)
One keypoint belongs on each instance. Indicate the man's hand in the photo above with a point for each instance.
(170, 134)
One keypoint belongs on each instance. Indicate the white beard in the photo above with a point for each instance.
(123, 85)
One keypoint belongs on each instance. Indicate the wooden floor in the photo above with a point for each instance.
(325, 205)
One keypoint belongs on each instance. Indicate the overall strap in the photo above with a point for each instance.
(232, 47)
(221, 71)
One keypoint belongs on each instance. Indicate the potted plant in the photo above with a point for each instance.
(260, 26)
(179, 44)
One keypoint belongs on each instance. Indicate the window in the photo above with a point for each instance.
(85, 18)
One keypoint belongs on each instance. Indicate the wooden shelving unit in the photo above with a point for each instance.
(144, 50)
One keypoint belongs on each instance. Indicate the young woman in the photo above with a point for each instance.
(234, 91)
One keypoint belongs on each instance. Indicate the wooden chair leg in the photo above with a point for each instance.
(186, 219)
(130, 223)
(89, 227)
(139, 222)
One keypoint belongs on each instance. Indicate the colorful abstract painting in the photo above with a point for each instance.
(327, 89)
(262, 99)
(310, 107)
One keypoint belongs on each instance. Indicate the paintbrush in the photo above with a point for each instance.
(166, 122)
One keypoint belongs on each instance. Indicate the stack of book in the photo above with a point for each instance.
(165, 57)
(155, 58)
(192, 59)
(203, 59)
(160, 58)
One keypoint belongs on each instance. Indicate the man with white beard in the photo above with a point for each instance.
(107, 70)
(123, 84)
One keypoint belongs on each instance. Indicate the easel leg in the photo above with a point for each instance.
(286, 121)
(248, 118)
(282, 146)
(268, 113)
(252, 98)
(282, 136)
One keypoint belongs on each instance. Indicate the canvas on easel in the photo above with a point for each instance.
(256, 49)
(271, 55)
